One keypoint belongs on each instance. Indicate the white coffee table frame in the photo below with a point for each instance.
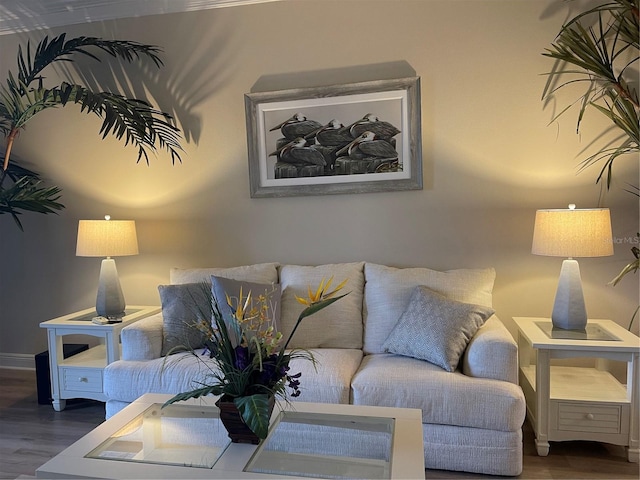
(407, 451)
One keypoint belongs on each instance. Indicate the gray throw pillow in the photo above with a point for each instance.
(435, 328)
(222, 287)
(183, 306)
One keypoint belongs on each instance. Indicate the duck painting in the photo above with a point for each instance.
(296, 152)
(371, 123)
(368, 145)
(296, 126)
(333, 134)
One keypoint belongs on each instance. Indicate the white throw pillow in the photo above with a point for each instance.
(337, 326)
(388, 290)
(435, 328)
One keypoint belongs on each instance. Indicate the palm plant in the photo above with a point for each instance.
(604, 57)
(24, 95)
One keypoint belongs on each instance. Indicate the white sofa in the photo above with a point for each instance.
(472, 416)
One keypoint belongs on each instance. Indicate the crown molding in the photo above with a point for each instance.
(26, 15)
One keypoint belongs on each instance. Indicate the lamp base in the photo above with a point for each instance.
(569, 311)
(110, 299)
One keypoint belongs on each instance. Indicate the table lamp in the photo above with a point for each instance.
(108, 238)
(571, 233)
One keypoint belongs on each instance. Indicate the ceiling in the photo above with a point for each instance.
(25, 15)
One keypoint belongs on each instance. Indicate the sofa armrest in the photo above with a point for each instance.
(142, 340)
(492, 353)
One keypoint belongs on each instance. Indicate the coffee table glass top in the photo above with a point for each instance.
(320, 445)
(183, 435)
(326, 446)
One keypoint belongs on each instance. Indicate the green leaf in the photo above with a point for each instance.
(197, 393)
(256, 412)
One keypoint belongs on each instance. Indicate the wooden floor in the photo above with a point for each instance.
(30, 434)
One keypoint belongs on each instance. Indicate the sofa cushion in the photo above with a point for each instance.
(183, 306)
(258, 273)
(128, 380)
(445, 398)
(337, 326)
(223, 287)
(329, 381)
(435, 328)
(388, 290)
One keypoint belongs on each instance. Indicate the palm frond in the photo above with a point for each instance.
(133, 120)
(600, 55)
(60, 49)
(24, 95)
(27, 195)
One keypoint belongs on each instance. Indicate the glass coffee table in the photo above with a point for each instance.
(187, 440)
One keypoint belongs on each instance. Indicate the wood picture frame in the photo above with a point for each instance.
(350, 138)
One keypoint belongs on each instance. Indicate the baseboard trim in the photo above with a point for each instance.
(22, 361)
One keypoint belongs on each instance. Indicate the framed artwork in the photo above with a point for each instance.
(350, 138)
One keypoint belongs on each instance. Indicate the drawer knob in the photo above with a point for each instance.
(590, 416)
(82, 379)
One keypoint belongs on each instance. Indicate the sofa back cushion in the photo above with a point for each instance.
(225, 287)
(388, 291)
(337, 326)
(258, 273)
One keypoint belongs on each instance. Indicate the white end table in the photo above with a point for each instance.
(80, 376)
(579, 403)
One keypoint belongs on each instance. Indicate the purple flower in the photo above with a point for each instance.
(271, 373)
(294, 384)
(242, 360)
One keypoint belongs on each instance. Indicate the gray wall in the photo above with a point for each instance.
(490, 159)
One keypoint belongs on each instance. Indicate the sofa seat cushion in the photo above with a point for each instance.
(445, 398)
(388, 290)
(337, 326)
(330, 380)
(128, 380)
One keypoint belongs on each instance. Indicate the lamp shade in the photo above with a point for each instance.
(106, 238)
(573, 233)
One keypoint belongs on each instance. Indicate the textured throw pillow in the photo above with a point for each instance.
(435, 328)
(183, 306)
(222, 287)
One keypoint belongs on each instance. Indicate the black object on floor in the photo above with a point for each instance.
(43, 378)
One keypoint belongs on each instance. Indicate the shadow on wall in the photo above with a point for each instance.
(334, 76)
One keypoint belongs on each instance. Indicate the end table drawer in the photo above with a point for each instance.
(82, 379)
(577, 417)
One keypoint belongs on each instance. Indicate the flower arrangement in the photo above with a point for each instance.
(250, 358)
